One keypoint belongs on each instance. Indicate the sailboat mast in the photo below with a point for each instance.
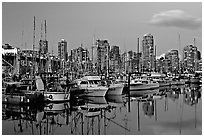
(107, 65)
(45, 30)
(195, 54)
(33, 46)
(155, 59)
(138, 57)
(179, 58)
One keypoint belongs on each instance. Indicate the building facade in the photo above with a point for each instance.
(62, 53)
(190, 58)
(62, 50)
(114, 59)
(103, 49)
(80, 59)
(148, 56)
(172, 59)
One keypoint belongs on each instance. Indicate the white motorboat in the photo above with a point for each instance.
(115, 88)
(92, 86)
(143, 84)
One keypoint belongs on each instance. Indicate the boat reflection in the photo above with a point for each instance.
(144, 92)
(116, 100)
(103, 115)
(192, 95)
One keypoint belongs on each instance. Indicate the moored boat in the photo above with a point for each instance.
(92, 86)
(55, 93)
(114, 88)
(22, 93)
(143, 84)
(195, 80)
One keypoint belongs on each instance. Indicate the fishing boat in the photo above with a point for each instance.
(92, 86)
(55, 93)
(25, 93)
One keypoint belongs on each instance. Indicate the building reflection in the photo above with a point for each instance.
(192, 94)
(95, 115)
(148, 108)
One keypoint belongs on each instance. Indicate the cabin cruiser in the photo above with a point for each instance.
(142, 83)
(114, 87)
(92, 86)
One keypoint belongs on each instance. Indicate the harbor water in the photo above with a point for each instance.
(165, 111)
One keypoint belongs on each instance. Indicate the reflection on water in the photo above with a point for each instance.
(169, 110)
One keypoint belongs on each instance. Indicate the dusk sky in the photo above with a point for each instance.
(120, 23)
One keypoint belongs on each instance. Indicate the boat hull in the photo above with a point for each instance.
(28, 98)
(162, 84)
(115, 89)
(95, 91)
(56, 107)
(195, 80)
(140, 86)
(143, 92)
(56, 96)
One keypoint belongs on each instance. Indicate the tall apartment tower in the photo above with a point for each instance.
(103, 49)
(172, 58)
(148, 57)
(62, 49)
(190, 57)
(114, 58)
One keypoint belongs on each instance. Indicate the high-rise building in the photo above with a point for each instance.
(43, 46)
(172, 58)
(124, 62)
(62, 54)
(148, 57)
(62, 50)
(79, 55)
(80, 59)
(103, 49)
(190, 57)
(114, 58)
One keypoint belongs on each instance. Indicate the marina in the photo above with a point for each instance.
(101, 68)
(111, 115)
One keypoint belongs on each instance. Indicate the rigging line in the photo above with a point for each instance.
(116, 123)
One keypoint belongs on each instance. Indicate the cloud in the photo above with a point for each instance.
(176, 18)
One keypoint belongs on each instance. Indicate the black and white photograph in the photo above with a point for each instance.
(101, 68)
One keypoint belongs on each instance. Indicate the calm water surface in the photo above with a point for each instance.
(169, 110)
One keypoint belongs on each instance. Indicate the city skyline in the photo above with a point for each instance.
(120, 23)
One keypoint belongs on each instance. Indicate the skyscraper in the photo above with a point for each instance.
(148, 57)
(190, 57)
(103, 49)
(173, 59)
(114, 58)
(62, 49)
(62, 54)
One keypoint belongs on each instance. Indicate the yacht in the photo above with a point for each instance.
(142, 83)
(92, 86)
(114, 88)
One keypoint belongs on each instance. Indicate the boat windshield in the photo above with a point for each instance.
(94, 82)
(84, 82)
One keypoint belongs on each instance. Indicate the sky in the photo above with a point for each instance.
(121, 23)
